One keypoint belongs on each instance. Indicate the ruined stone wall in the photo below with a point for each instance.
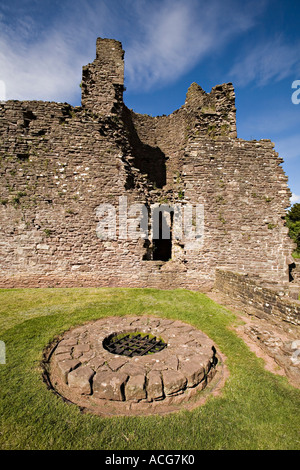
(265, 300)
(103, 81)
(241, 184)
(55, 171)
(208, 114)
(59, 163)
(243, 211)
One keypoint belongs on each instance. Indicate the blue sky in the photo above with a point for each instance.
(255, 44)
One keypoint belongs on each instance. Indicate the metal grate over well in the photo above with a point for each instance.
(133, 344)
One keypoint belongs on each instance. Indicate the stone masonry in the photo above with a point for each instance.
(264, 299)
(58, 163)
(80, 369)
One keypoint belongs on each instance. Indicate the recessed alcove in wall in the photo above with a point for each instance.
(149, 159)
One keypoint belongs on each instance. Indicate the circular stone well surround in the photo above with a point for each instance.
(81, 370)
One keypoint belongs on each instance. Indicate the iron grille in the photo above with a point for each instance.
(134, 344)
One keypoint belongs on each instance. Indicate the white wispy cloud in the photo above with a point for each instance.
(263, 63)
(178, 34)
(46, 64)
(42, 71)
(2, 91)
(163, 40)
(295, 198)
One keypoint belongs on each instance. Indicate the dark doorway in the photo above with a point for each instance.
(291, 268)
(162, 243)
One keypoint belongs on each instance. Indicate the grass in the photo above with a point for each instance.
(256, 410)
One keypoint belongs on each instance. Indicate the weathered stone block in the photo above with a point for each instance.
(80, 379)
(154, 386)
(109, 385)
(133, 369)
(135, 388)
(80, 349)
(116, 363)
(66, 366)
(173, 381)
(97, 362)
(194, 372)
(62, 349)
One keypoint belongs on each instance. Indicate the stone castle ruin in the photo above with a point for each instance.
(60, 163)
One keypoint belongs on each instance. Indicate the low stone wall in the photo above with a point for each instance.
(148, 274)
(271, 300)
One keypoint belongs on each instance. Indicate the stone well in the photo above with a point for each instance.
(79, 367)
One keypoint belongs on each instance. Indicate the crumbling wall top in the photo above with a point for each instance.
(108, 49)
(214, 111)
(103, 80)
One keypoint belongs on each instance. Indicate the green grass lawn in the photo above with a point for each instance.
(256, 409)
